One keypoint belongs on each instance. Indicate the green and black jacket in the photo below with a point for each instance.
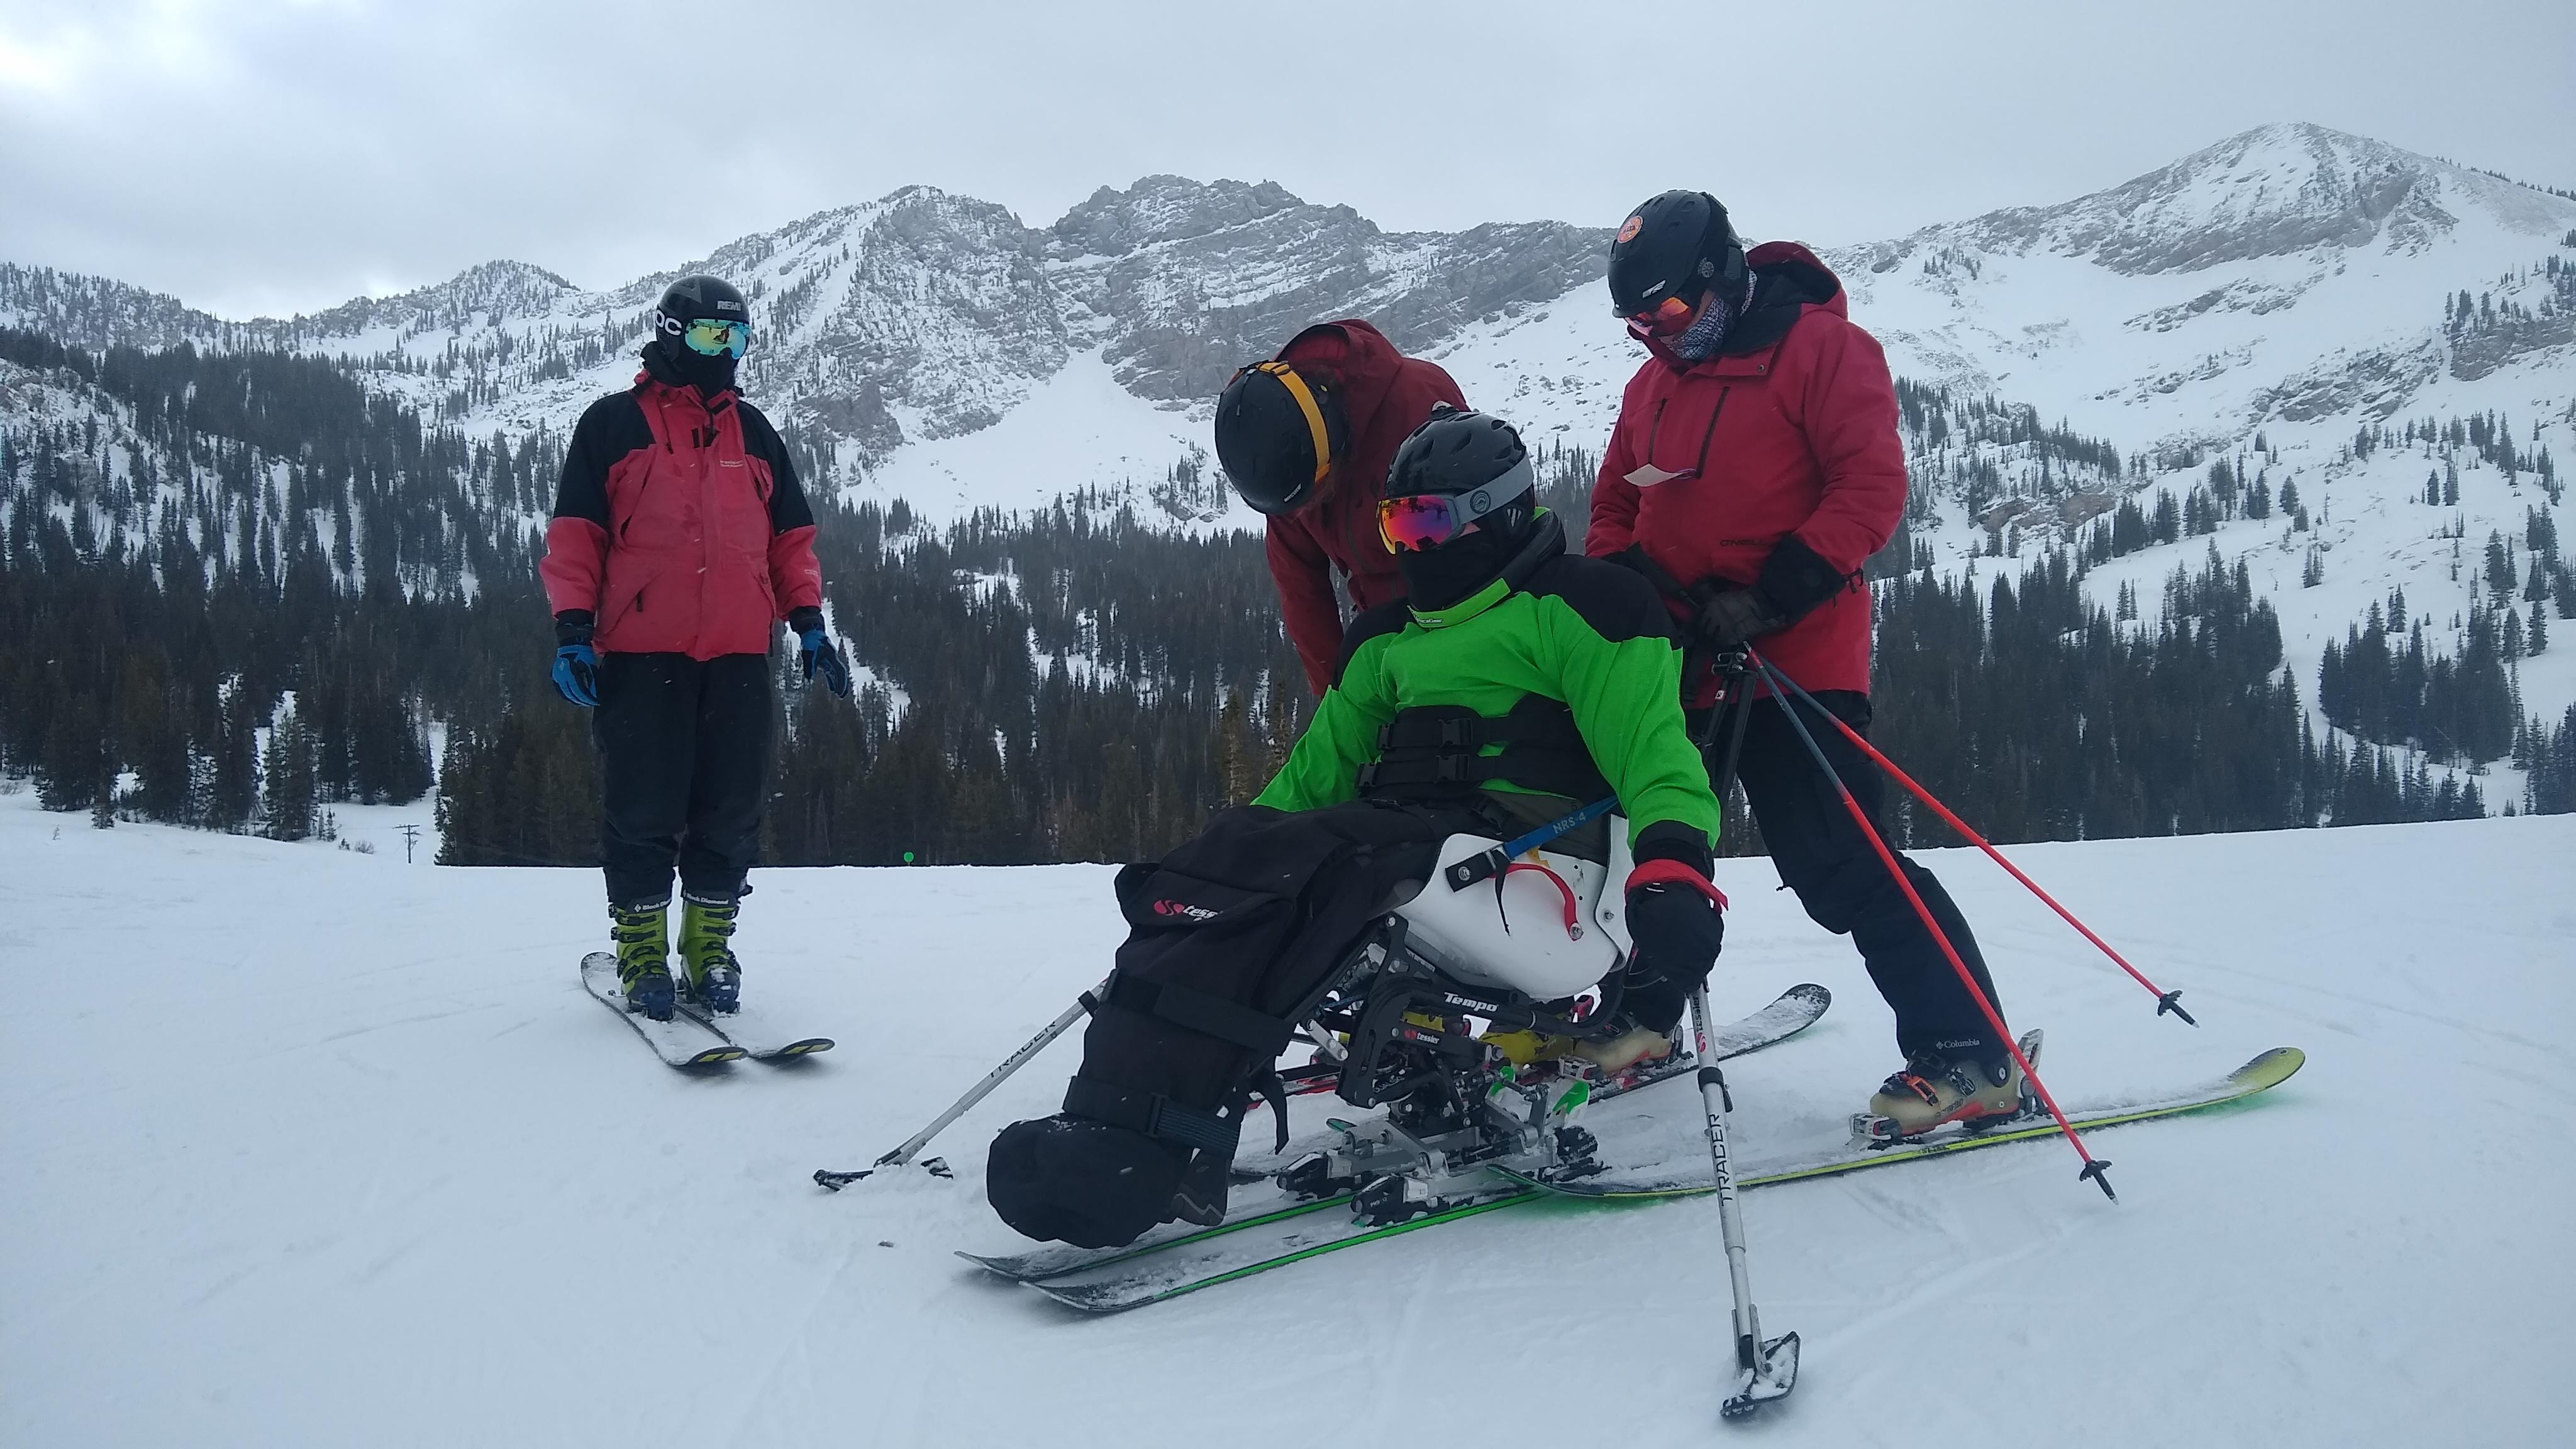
(1560, 658)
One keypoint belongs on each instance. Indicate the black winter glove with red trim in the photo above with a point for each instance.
(1675, 923)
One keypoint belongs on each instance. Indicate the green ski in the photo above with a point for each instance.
(2261, 1074)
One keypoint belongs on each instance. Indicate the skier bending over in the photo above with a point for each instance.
(680, 538)
(1516, 683)
(1755, 465)
(1306, 438)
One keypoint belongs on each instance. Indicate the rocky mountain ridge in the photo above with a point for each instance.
(2305, 307)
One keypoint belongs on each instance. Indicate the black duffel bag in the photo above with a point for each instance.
(1227, 937)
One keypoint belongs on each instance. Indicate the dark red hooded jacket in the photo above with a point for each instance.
(1385, 395)
(1792, 473)
(679, 524)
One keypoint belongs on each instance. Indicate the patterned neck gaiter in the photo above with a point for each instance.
(1705, 336)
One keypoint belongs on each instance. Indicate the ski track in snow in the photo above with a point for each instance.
(309, 1147)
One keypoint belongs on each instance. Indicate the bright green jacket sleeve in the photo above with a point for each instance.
(1323, 768)
(1626, 701)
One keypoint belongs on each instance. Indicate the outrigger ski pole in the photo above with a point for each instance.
(938, 1167)
(1765, 1369)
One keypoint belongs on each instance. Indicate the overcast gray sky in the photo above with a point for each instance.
(271, 155)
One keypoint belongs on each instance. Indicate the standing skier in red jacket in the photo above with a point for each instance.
(680, 538)
(1306, 438)
(1756, 463)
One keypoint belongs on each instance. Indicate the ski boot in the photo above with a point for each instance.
(1636, 1046)
(715, 977)
(643, 958)
(1936, 1089)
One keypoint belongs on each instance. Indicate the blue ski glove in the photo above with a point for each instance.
(815, 650)
(576, 665)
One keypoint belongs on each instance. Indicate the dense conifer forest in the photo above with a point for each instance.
(257, 591)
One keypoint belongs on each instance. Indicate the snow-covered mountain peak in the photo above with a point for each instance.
(2270, 192)
(483, 295)
(1113, 223)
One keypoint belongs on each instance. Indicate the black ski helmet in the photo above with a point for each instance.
(1476, 459)
(1677, 244)
(694, 299)
(1278, 433)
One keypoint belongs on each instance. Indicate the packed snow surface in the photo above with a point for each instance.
(305, 1147)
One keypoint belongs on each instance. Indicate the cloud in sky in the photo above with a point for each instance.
(274, 155)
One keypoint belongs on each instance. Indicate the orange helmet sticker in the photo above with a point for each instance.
(1635, 224)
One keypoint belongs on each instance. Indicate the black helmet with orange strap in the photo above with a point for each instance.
(1674, 246)
(1278, 433)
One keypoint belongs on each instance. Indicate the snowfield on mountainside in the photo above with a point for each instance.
(308, 1147)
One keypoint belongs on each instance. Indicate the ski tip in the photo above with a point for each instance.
(2270, 1069)
(796, 1049)
(831, 1181)
(1095, 1297)
(1809, 991)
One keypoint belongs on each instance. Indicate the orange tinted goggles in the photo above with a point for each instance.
(1669, 318)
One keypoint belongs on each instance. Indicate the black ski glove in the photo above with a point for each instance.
(1736, 617)
(1674, 920)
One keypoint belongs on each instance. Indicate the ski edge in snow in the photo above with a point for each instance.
(1032, 1266)
(1792, 1012)
(1119, 1295)
(2266, 1071)
(668, 1041)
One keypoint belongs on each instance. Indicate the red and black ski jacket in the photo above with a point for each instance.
(1385, 395)
(679, 523)
(1775, 465)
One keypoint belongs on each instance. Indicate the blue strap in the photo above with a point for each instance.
(1491, 863)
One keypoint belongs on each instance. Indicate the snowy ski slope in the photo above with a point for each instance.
(304, 1147)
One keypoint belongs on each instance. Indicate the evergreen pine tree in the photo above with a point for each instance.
(287, 780)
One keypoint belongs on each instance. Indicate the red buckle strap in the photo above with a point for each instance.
(1674, 872)
(1573, 931)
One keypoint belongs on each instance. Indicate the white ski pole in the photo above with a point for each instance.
(901, 1156)
(1763, 1371)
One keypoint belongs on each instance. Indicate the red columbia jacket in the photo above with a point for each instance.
(1774, 465)
(679, 524)
(1385, 395)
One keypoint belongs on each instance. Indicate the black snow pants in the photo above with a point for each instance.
(1821, 854)
(684, 757)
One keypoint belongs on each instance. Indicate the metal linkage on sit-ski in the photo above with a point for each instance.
(1456, 1110)
(1396, 1175)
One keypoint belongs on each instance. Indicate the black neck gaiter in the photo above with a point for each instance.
(682, 368)
(1436, 578)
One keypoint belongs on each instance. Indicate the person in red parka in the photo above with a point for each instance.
(1306, 438)
(680, 538)
(1754, 468)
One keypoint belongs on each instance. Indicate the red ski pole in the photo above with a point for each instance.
(2096, 1170)
(2165, 1000)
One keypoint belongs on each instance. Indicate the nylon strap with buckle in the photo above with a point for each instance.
(1439, 750)
(1204, 1013)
